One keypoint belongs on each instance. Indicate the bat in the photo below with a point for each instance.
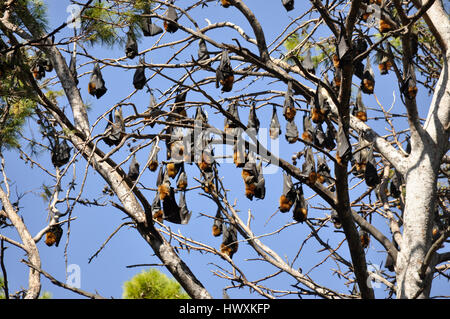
(308, 130)
(225, 3)
(291, 134)
(208, 185)
(364, 238)
(156, 209)
(289, 110)
(344, 149)
(330, 136)
(308, 63)
(288, 4)
(153, 161)
(139, 79)
(359, 45)
(360, 110)
(253, 121)
(249, 175)
(229, 125)
(180, 100)
(343, 50)
(300, 212)
(395, 185)
(131, 47)
(224, 73)
(202, 50)
(133, 169)
(73, 69)
(96, 86)
(287, 198)
(182, 181)
(150, 29)
(185, 214)
(53, 235)
(319, 136)
(260, 191)
(409, 85)
(361, 157)
(337, 80)
(323, 171)
(218, 225)
(384, 25)
(171, 26)
(171, 210)
(60, 153)
(114, 129)
(370, 173)
(335, 219)
(309, 166)
(385, 65)
(163, 184)
(368, 79)
(229, 244)
(38, 71)
(200, 117)
(239, 155)
(320, 107)
(275, 127)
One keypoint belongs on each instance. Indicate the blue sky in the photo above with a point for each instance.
(108, 271)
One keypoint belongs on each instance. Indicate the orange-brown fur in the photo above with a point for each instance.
(290, 113)
(317, 115)
(216, 231)
(412, 92)
(285, 204)
(306, 136)
(182, 184)
(158, 216)
(361, 115)
(365, 240)
(384, 26)
(225, 3)
(227, 83)
(172, 170)
(312, 178)
(163, 191)
(153, 166)
(336, 61)
(91, 88)
(50, 238)
(368, 85)
(301, 214)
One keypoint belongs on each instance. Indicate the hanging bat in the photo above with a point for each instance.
(229, 125)
(361, 157)
(217, 224)
(139, 79)
(156, 210)
(309, 166)
(38, 71)
(364, 238)
(343, 50)
(202, 50)
(368, 80)
(384, 25)
(344, 149)
(224, 73)
(323, 171)
(171, 210)
(300, 212)
(249, 175)
(288, 196)
(163, 183)
(337, 80)
(359, 45)
(96, 86)
(239, 155)
(308, 129)
(114, 129)
(180, 100)
(253, 121)
(291, 134)
(308, 63)
(335, 219)
(360, 109)
(395, 185)
(73, 69)
(320, 107)
(330, 136)
(385, 65)
(185, 214)
(53, 235)
(60, 153)
(131, 47)
(289, 110)
(182, 181)
(370, 173)
(153, 161)
(171, 26)
(133, 169)
(409, 85)
(208, 182)
(260, 191)
(288, 4)
(319, 136)
(275, 127)
(150, 29)
(229, 244)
